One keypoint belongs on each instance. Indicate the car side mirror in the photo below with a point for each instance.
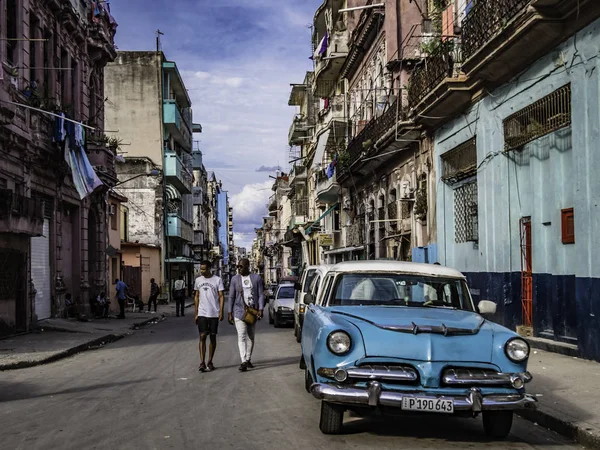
(487, 307)
(297, 286)
(309, 299)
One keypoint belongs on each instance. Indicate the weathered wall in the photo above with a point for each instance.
(132, 85)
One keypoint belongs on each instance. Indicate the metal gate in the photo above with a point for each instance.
(40, 272)
(526, 272)
(132, 276)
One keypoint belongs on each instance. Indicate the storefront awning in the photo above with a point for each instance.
(337, 251)
(320, 151)
(309, 229)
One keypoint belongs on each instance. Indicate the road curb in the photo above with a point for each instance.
(90, 345)
(568, 429)
(95, 343)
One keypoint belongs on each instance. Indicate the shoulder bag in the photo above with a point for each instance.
(250, 313)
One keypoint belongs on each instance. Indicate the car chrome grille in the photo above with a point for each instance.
(384, 372)
(473, 376)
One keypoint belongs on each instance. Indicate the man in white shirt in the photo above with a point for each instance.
(179, 294)
(209, 301)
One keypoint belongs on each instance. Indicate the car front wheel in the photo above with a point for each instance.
(497, 424)
(332, 418)
(298, 334)
(270, 317)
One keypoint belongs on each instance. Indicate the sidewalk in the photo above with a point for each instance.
(60, 338)
(568, 392)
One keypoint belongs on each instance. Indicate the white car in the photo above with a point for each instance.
(310, 283)
(281, 308)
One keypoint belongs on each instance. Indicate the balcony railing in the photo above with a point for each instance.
(372, 131)
(176, 174)
(179, 228)
(298, 130)
(433, 70)
(176, 121)
(19, 214)
(392, 210)
(381, 217)
(486, 19)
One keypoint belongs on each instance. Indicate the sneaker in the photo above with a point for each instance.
(243, 367)
(210, 366)
(250, 365)
(202, 367)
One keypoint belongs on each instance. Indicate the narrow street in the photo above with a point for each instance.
(144, 392)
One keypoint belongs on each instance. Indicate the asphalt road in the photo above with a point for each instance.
(145, 392)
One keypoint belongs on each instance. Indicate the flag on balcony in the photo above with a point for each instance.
(321, 48)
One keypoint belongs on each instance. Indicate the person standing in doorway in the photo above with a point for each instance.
(153, 294)
(209, 305)
(121, 287)
(179, 294)
(246, 289)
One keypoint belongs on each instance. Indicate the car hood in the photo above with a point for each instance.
(285, 302)
(425, 334)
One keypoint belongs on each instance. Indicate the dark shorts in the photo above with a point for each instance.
(208, 325)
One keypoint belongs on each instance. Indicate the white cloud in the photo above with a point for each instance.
(249, 207)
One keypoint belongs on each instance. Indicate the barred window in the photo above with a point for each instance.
(543, 117)
(460, 162)
(465, 213)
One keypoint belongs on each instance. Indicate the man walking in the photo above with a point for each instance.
(153, 294)
(209, 301)
(246, 289)
(121, 287)
(179, 294)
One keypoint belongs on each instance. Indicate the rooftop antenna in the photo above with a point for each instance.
(158, 35)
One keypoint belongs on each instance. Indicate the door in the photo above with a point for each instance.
(40, 272)
(13, 306)
(526, 273)
(132, 276)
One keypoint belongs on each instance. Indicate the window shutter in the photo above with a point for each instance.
(568, 226)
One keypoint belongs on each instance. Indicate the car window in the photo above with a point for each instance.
(392, 289)
(286, 291)
(327, 284)
(314, 287)
(310, 275)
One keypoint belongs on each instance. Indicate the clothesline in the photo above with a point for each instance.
(49, 113)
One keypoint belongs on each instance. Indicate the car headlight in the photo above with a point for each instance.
(339, 342)
(517, 349)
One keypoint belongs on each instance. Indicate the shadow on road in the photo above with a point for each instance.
(25, 391)
(269, 363)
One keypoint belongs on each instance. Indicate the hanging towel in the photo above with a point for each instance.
(330, 170)
(324, 43)
(79, 141)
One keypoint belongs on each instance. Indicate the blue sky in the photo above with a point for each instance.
(237, 59)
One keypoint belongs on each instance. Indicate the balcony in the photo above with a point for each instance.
(299, 130)
(175, 121)
(100, 37)
(176, 174)
(298, 174)
(178, 228)
(393, 213)
(381, 217)
(329, 65)
(328, 189)
(20, 215)
(436, 87)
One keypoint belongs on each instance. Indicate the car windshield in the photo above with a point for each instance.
(309, 277)
(286, 291)
(390, 289)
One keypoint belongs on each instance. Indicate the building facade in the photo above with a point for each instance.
(53, 235)
(515, 136)
(150, 106)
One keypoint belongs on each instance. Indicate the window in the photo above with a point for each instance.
(48, 45)
(465, 213)
(568, 226)
(543, 117)
(34, 25)
(460, 162)
(336, 219)
(65, 79)
(124, 224)
(113, 216)
(12, 45)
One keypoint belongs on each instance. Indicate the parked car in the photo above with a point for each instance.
(310, 282)
(407, 336)
(281, 309)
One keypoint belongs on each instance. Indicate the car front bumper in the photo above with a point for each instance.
(374, 395)
(285, 316)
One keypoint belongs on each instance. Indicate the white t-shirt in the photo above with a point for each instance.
(247, 286)
(208, 293)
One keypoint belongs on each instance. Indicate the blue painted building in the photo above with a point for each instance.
(517, 201)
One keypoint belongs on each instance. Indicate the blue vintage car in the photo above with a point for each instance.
(395, 337)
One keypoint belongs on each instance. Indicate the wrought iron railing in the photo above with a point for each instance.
(486, 19)
(372, 131)
(12, 204)
(433, 70)
(392, 210)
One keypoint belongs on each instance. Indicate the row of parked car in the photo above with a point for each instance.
(388, 336)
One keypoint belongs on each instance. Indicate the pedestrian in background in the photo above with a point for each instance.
(209, 305)
(121, 287)
(245, 306)
(153, 294)
(179, 294)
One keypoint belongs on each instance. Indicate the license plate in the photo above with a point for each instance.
(428, 405)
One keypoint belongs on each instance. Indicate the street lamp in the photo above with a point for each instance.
(153, 173)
